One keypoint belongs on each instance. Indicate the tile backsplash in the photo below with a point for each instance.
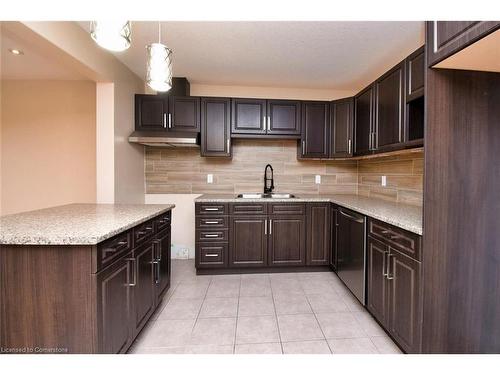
(182, 170)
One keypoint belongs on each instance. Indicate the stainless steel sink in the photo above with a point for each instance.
(265, 196)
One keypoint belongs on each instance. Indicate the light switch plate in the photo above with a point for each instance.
(384, 181)
(318, 179)
(210, 178)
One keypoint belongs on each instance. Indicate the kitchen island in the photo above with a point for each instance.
(81, 278)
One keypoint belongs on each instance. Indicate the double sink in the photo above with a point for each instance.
(265, 195)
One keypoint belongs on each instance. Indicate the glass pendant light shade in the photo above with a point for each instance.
(111, 35)
(159, 67)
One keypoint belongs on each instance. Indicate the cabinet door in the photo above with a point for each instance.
(415, 71)
(144, 288)
(405, 316)
(150, 112)
(333, 240)
(448, 37)
(215, 127)
(283, 117)
(162, 264)
(363, 121)
(248, 241)
(377, 302)
(315, 130)
(184, 114)
(113, 307)
(287, 240)
(248, 116)
(318, 234)
(341, 123)
(389, 108)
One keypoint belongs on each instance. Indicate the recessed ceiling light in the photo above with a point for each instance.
(16, 51)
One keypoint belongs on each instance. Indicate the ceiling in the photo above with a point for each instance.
(322, 55)
(33, 63)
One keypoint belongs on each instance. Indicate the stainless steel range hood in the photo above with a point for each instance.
(165, 139)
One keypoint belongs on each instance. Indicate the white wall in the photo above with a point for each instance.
(183, 221)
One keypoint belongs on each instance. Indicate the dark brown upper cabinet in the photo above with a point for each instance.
(315, 130)
(283, 117)
(415, 72)
(151, 112)
(363, 121)
(248, 116)
(216, 127)
(341, 127)
(389, 110)
(184, 114)
(445, 38)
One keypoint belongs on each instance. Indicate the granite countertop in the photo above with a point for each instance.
(404, 216)
(75, 224)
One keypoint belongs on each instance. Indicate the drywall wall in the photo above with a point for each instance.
(69, 44)
(48, 149)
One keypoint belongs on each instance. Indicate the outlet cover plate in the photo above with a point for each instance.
(384, 181)
(210, 178)
(318, 179)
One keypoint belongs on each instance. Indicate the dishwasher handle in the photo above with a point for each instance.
(354, 217)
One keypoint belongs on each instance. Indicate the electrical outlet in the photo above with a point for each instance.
(318, 179)
(184, 253)
(210, 178)
(384, 181)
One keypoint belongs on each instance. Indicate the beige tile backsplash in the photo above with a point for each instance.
(184, 171)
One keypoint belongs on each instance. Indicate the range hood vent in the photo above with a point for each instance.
(165, 139)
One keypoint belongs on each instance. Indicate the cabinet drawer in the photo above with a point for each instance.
(203, 222)
(212, 235)
(248, 208)
(113, 248)
(143, 232)
(211, 255)
(406, 242)
(211, 208)
(162, 222)
(287, 208)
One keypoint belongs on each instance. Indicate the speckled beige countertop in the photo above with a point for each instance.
(404, 216)
(75, 224)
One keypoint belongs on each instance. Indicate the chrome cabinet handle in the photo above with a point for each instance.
(133, 261)
(165, 120)
(211, 255)
(269, 123)
(265, 227)
(389, 277)
(270, 226)
(349, 146)
(211, 209)
(227, 144)
(384, 264)
(303, 147)
(211, 222)
(170, 121)
(211, 235)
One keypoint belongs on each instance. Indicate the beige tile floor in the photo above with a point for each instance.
(290, 313)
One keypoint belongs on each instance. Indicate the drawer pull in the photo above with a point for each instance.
(211, 255)
(211, 209)
(211, 222)
(121, 243)
(386, 231)
(211, 235)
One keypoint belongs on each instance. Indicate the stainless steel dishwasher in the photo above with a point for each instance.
(351, 251)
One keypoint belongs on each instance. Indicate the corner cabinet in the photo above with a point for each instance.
(341, 128)
(318, 234)
(216, 127)
(315, 130)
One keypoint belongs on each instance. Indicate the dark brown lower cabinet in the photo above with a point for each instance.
(318, 234)
(85, 298)
(248, 241)
(287, 240)
(113, 307)
(394, 294)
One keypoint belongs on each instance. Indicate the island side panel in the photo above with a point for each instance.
(46, 298)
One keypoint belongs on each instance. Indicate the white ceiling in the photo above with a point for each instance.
(322, 55)
(33, 64)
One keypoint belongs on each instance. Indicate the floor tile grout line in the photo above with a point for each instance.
(237, 317)
(276, 316)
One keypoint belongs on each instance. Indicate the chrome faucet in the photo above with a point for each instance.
(269, 189)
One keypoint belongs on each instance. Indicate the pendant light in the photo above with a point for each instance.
(159, 65)
(112, 35)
